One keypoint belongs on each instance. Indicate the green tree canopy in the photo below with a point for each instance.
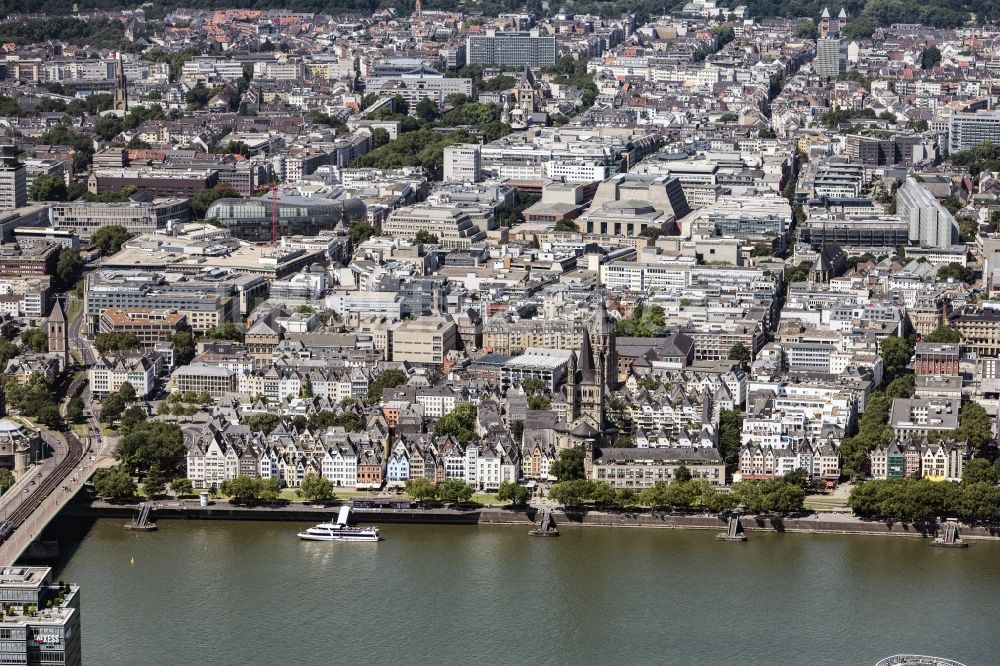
(459, 423)
(956, 271)
(316, 488)
(69, 265)
(896, 353)
(739, 352)
(205, 198)
(153, 484)
(182, 487)
(111, 238)
(35, 339)
(644, 322)
(152, 443)
(514, 493)
(806, 30)
(262, 422)
(454, 491)
(945, 334)
(569, 466)
(48, 188)
(113, 483)
(420, 489)
(386, 379)
(107, 342)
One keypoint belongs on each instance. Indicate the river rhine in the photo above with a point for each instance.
(234, 593)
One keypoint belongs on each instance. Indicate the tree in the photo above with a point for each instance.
(316, 488)
(572, 493)
(896, 353)
(74, 410)
(930, 57)
(359, 232)
(425, 237)
(127, 392)
(183, 342)
(944, 334)
(48, 187)
(205, 198)
(69, 265)
(806, 30)
(975, 428)
(569, 467)
(956, 271)
(35, 339)
(539, 403)
(980, 470)
(112, 408)
(769, 496)
(682, 474)
(739, 352)
(182, 487)
(263, 422)
(454, 491)
(797, 477)
(427, 110)
(107, 128)
(730, 431)
(111, 238)
(153, 484)
(107, 342)
(48, 415)
(268, 490)
(514, 493)
(459, 423)
(655, 497)
(420, 489)
(242, 489)
(226, 331)
(566, 226)
(901, 387)
(380, 137)
(151, 443)
(112, 483)
(6, 480)
(644, 322)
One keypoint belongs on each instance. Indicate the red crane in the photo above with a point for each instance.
(274, 213)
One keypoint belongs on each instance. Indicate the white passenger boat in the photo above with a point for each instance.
(340, 531)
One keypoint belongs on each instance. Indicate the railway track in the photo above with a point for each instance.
(28, 506)
(74, 455)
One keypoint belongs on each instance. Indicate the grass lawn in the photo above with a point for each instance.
(486, 499)
(827, 499)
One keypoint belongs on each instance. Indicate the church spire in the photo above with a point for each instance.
(121, 87)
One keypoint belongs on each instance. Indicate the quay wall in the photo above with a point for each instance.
(810, 524)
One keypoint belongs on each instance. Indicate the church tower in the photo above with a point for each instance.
(59, 333)
(121, 87)
(591, 390)
(601, 332)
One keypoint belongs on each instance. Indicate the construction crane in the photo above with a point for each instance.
(274, 213)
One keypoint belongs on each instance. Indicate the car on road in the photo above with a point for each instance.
(6, 529)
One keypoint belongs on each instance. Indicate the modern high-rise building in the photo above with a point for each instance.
(41, 624)
(930, 224)
(13, 180)
(828, 61)
(463, 163)
(515, 49)
(966, 130)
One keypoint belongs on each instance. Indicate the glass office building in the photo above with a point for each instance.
(250, 219)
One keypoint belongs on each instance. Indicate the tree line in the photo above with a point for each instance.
(684, 494)
(975, 500)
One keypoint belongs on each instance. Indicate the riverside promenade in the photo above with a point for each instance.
(815, 523)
